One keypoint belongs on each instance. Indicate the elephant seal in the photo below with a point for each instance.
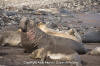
(24, 25)
(56, 52)
(49, 53)
(69, 34)
(36, 38)
(12, 38)
(27, 35)
(95, 51)
(91, 37)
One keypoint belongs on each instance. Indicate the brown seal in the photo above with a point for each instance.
(42, 39)
(12, 38)
(91, 37)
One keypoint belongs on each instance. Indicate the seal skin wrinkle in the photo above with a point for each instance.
(39, 39)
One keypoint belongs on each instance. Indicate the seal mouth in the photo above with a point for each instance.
(31, 34)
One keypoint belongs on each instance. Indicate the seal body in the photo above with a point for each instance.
(35, 37)
(12, 38)
(27, 43)
(69, 34)
(95, 51)
(42, 39)
(91, 37)
(56, 53)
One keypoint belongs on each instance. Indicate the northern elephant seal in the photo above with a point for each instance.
(56, 53)
(12, 38)
(69, 34)
(46, 53)
(35, 37)
(95, 51)
(91, 37)
(23, 23)
(25, 26)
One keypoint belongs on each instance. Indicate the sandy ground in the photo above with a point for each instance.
(14, 56)
(89, 59)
